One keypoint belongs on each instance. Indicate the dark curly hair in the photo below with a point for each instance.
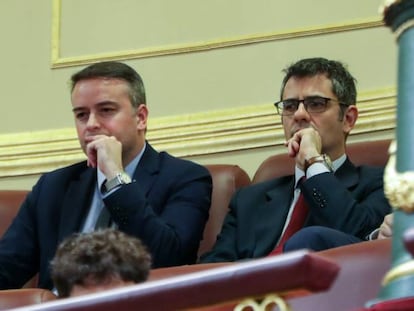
(97, 256)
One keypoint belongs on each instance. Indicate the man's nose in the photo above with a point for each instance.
(301, 112)
(92, 121)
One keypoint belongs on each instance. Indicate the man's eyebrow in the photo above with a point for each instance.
(100, 104)
(107, 102)
(78, 109)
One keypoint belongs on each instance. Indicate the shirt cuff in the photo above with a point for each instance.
(316, 169)
(373, 235)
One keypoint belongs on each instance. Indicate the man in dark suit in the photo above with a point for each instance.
(341, 203)
(124, 183)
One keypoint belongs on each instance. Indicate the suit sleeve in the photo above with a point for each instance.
(170, 219)
(356, 211)
(19, 250)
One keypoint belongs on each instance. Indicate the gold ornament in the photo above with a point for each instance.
(267, 304)
(398, 187)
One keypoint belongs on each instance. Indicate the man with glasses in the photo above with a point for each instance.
(328, 202)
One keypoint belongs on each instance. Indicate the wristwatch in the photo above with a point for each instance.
(121, 178)
(323, 158)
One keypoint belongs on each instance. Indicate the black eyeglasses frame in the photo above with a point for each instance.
(306, 102)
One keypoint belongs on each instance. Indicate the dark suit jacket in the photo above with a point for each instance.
(166, 206)
(352, 201)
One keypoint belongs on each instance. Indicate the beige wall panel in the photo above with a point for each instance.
(99, 26)
(195, 57)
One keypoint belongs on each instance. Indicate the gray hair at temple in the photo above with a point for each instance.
(114, 70)
(343, 83)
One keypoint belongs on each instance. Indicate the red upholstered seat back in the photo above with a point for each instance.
(226, 180)
(10, 201)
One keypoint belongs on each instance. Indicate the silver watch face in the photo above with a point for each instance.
(124, 178)
(120, 179)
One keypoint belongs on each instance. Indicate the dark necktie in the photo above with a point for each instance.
(104, 219)
(300, 211)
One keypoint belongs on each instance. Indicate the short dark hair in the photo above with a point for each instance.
(114, 70)
(98, 256)
(343, 83)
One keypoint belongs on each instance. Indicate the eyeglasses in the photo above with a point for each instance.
(313, 104)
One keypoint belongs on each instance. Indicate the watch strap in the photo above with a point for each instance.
(323, 158)
(119, 179)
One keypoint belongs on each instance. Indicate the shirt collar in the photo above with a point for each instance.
(338, 162)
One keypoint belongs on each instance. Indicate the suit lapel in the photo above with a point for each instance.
(147, 168)
(347, 174)
(76, 203)
(271, 216)
(79, 194)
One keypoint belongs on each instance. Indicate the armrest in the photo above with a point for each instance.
(299, 270)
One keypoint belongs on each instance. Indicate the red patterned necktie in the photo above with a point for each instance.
(300, 211)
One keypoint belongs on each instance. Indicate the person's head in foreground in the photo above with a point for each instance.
(90, 262)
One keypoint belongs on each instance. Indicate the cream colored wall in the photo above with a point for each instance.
(212, 70)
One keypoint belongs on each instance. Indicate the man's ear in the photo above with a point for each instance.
(142, 117)
(350, 117)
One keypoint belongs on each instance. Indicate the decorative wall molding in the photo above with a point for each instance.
(189, 135)
(58, 61)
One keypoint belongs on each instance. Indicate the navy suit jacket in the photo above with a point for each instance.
(166, 206)
(351, 201)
